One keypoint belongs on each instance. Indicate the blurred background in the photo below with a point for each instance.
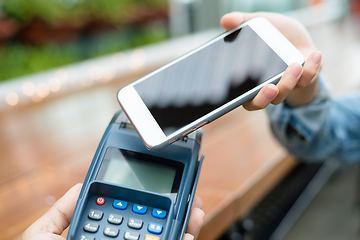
(63, 61)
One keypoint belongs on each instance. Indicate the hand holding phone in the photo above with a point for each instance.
(204, 84)
(299, 83)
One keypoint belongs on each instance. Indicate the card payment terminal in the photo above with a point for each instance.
(132, 193)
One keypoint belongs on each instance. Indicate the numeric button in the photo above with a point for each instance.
(115, 219)
(135, 223)
(131, 235)
(91, 227)
(111, 231)
(86, 237)
(95, 214)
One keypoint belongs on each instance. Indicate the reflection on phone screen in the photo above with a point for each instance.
(211, 77)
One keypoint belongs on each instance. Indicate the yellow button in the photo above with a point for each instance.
(150, 237)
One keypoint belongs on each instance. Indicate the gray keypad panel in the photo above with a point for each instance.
(105, 222)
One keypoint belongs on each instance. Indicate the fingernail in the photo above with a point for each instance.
(316, 58)
(188, 236)
(295, 71)
(270, 92)
(202, 212)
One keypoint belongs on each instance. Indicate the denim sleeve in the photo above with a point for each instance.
(326, 128)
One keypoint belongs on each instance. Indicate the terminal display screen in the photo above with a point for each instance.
(141, 171)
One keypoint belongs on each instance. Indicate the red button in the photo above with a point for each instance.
(100, 201)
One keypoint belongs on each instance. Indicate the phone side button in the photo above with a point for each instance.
(201, 124)
(188, 132)
(194, 128)
(173, 140)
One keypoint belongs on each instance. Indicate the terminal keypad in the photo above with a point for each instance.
(108, 218)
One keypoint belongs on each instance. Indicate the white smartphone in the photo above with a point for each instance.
(209, 81)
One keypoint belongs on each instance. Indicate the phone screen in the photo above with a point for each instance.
(141, 171)
(209, 78)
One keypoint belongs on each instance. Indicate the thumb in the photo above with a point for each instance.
(232, 20)
(58, 218)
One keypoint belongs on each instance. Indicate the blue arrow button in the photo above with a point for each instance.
(139, 209)
(157, 213)
(118, 204)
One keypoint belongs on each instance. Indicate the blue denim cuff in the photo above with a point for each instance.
(301, 122)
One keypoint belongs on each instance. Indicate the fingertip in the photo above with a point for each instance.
(311, 69)
(73, 192)
(77, 187)
(270, 92)
(296, 70)
(266, 95)
(315, 57)
(188, 236)
(196, 221)
(231, 20)
(202, 213)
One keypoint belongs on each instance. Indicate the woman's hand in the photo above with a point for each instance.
(299, 83)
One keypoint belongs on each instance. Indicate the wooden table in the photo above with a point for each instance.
(242, 164)
(47, 147)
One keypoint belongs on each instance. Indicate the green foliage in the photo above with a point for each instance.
(18, 60)
(55, 11)
(150, 35)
